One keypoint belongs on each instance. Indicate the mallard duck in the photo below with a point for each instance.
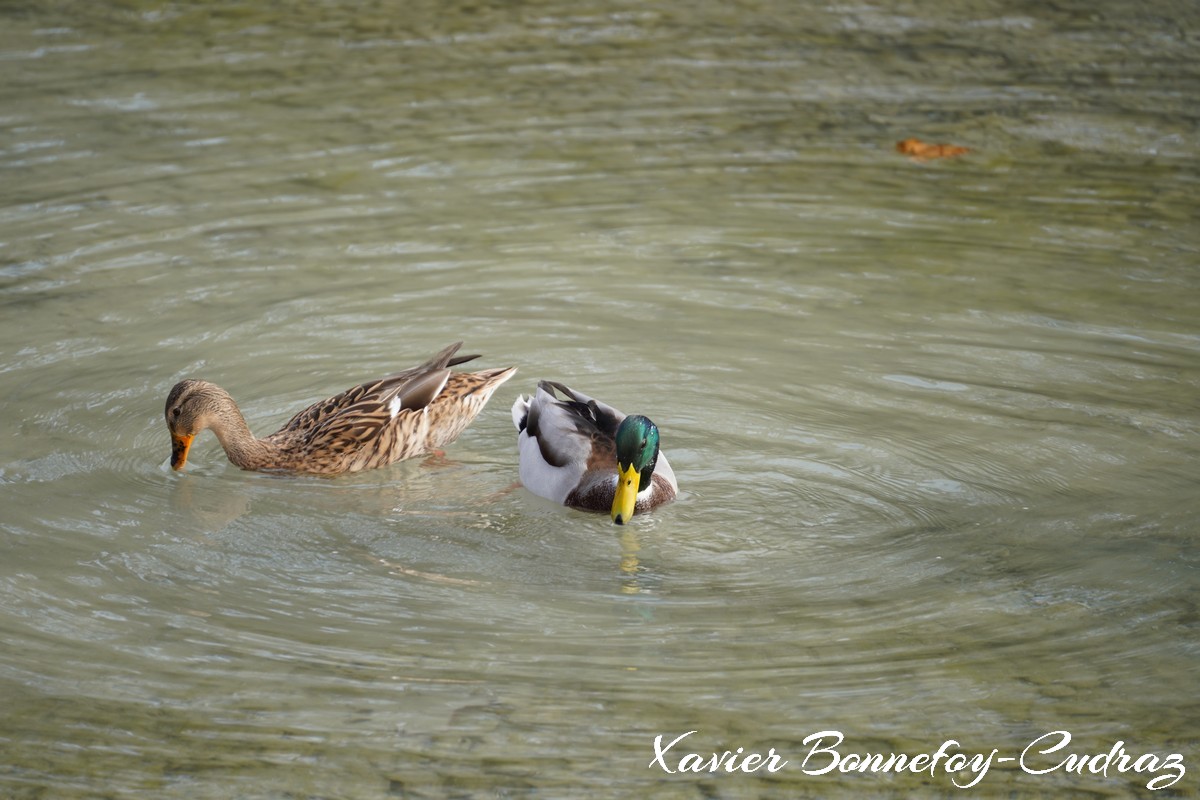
(587, 455)
(371, 425)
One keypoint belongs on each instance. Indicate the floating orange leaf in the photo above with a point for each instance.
(917, 149)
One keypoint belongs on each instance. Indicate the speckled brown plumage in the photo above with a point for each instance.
(370, 425)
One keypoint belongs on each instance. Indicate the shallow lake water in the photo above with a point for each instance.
(936, 423)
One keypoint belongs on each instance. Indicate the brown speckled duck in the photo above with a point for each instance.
(371, 425)
(587, 455)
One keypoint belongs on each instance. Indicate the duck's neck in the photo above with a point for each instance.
(241, 446)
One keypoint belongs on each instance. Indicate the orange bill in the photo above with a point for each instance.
(180, 443)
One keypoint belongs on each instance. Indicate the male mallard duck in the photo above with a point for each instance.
(585, 454)
(371, 425)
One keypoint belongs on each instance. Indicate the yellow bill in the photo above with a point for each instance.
(625, 498)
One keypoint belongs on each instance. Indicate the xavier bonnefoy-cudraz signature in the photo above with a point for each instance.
(825, 753)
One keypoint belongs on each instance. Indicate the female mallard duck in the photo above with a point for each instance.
(371, 425)
(585, 454)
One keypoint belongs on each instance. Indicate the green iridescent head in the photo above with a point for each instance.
(637, 453)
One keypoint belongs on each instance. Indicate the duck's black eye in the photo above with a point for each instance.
(175, 412)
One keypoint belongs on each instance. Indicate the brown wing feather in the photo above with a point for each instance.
(312, 416)
(465, 395)
(357, 429)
